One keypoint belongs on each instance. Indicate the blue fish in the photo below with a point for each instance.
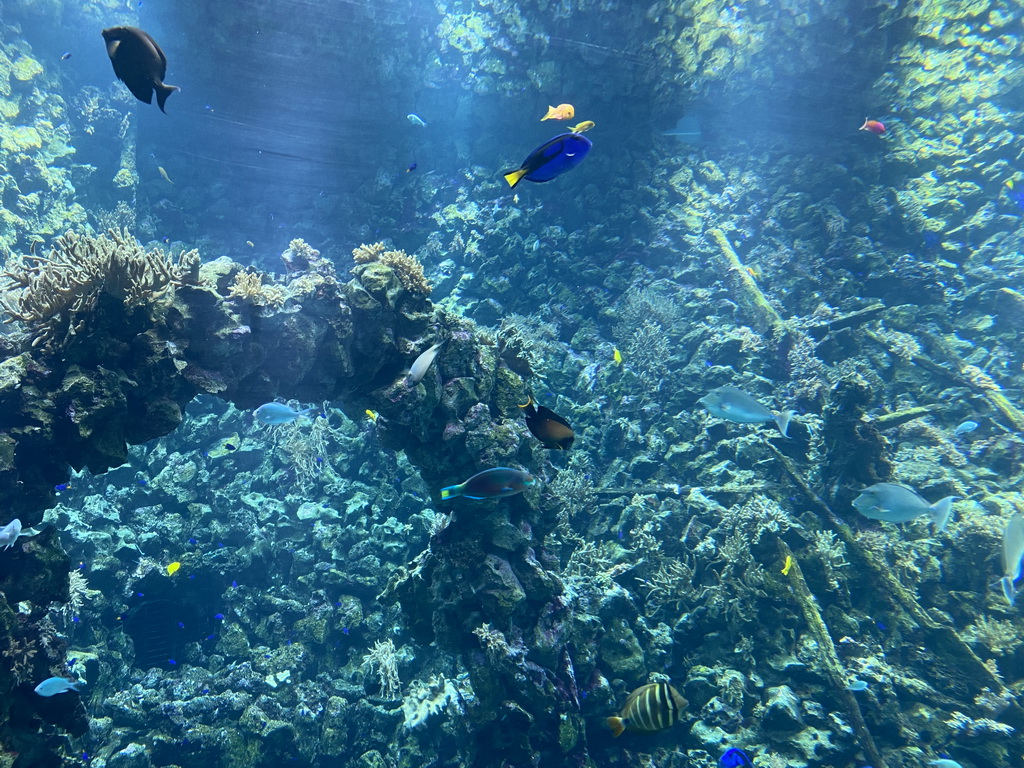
(273, 414)
(551, 159)
(963, 429)
(735, 758)
(736, 405)
(51, 686)
(856, 685)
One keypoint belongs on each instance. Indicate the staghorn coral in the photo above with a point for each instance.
(55, 295)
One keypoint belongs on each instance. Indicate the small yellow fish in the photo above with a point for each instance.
(372, 415)
(586, 125)
(616, 356)
(561, 112)
(788, 565)
(163, 173)
(173, 568)
(1009, 183)
(250, 243)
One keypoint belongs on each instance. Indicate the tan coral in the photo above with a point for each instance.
(364, 254)
(249, 287)
(409, 271)
(55, 295)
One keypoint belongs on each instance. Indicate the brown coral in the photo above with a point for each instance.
(364, 254)
(409, 271)
(249, 287)
(55, 295)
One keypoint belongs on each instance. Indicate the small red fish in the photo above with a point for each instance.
(873, 126)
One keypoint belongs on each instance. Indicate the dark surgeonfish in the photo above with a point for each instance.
(548, 427)
(551, 159)
(491, 484)
(138, 63)
(650, 707)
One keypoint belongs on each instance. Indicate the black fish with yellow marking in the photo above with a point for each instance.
(138, 63)
(650, 707)
(548, 427)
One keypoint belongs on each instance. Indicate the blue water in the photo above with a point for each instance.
(299, 594)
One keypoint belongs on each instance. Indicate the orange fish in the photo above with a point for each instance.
(873, 126)
(561, 112)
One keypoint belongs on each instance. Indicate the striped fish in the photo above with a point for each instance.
(650, 707)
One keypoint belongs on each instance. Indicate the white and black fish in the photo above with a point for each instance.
(650, 707)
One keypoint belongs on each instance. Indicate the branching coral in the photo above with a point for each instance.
(364, 254)
(383, 659)
(55, 295)
(406, 267)
(1000, 637)
(78, 594)
(20, 655)
(249, 287)
(409, 271)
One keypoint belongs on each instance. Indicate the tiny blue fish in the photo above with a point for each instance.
(411, 168)
(965, 428)
(944, 763)
(856, 685)
(51, 686)
(60, 487)
(172, 662)
(735, 758)
(416, 120)
(278, 413)
(219, 616)
(65, 56)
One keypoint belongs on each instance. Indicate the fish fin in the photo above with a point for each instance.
(528, 403)
(549, 114)
(782, 420)
(514, 177)
(451, 492)
(162, 92)
(940, 512)
(617, 726)
(1008, 589)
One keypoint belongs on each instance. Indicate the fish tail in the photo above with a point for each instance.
(1008, 589)
(514, 177)
(451, 492)
(551, 111)
(782, 421)
(162, 92)
(617, 726)
(940, 512)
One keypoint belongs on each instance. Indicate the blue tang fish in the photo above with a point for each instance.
(735, 758)
(551, 159)
(736, 405)
(896, 503)
(278, 413)
(51, 686)
(491, 484)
